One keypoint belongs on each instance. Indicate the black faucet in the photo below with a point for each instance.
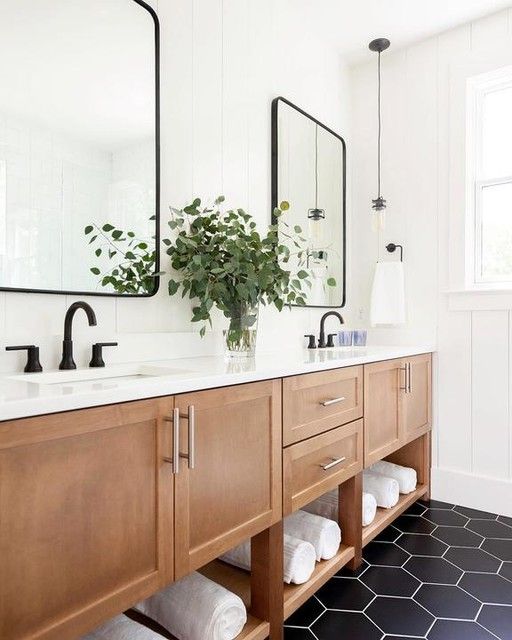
(67, 361)
(321, 340)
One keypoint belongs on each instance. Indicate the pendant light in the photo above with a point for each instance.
(316, 214)
(379, 204)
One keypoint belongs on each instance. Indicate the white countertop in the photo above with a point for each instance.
(20, 399)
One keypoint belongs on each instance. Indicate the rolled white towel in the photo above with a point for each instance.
(196, 608)
(324, 534)
(122, 628)
(299, 559)
(369, 508)
(406, 477)
(327, 507)
(385, 490)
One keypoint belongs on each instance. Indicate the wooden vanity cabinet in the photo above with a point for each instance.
(234, 490)
(397, 404)
(86, 517)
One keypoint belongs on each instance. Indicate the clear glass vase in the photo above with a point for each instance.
(240, 336)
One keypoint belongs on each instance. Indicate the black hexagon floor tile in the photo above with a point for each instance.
(390, 581)
(291, 633)
(418, 544)
(455, 630)
(307, 614)
(385, 554)
(399, 615)
(502, 549)
(333, 625)
(490, 528)
(436, 504)
(416, 509)
(498, 620)
(470, 559)
(458, 537)
(505, 520)
(433, 570)
(474, 513)
(390, 534)
(345, 593)
(411, 524)
(445, 517)
(349, 573)
(447, 602)
(506, 570)
(488, 588)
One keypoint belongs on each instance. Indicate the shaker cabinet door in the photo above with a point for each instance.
(382, 409)
(228, 486)
(85, 517)
(417, 397)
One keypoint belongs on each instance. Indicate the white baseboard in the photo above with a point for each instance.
(468, 490)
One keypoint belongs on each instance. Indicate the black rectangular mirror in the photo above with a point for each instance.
(309, 172)
(79, 147)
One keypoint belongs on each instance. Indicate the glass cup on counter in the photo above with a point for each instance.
(360, 336)
(345, 338)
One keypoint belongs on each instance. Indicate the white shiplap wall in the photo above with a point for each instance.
(222, 62)
(423, 180)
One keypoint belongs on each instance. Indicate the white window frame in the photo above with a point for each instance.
(478, 87)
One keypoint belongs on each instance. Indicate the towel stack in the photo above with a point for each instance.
(196, 608)
(386, 481)
(327, 507)
(122, 628)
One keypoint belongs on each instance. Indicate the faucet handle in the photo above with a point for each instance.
(33, 365)
(330, 339)
(312, 341)
(97, 353)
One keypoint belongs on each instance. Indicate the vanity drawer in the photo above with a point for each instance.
(316, 402)
(315, 466)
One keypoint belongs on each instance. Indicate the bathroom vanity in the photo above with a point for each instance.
(112, 488)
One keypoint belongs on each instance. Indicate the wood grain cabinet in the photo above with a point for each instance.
(233, 490)
(86, 517)
(397, 400)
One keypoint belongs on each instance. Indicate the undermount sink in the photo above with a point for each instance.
(126, 373)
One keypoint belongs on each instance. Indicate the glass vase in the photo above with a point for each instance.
(240, 336)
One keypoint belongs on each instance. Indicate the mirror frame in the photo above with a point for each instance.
(275, 186)
(156, 22)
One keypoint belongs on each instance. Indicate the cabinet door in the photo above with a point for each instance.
(234, 490)
(417, 397)
(86, 517)
(382, 409)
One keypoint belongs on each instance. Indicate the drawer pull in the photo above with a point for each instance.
(334, 463)
(328, 403)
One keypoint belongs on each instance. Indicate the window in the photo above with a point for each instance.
(489, 263)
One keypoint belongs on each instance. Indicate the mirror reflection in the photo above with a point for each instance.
(309, 174)
(78, 146)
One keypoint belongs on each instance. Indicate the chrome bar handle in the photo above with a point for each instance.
(328, 403)
(409, 378)
(334, 463)
(191, 436)
(175, 460)
(406, 377)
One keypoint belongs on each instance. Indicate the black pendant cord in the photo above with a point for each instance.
(379, 146)
(316, 167)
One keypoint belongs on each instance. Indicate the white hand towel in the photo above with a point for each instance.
(369, 508)
(388, 294)
(196, 608)
(327, 507)
(299, 559)
(324, 534)
(122, 628)
(385, 490)
(406, 477)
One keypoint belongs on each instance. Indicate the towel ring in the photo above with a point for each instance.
(392, 247)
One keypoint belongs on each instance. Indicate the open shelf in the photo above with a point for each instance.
(238, 581)
(296, 594)
(385, 517)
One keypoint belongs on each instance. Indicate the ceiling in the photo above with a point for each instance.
(349, 25)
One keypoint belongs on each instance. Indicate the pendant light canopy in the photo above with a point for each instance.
(379, 203)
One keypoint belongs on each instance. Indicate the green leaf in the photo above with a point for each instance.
(88, 229)
(284, 206)
(98, 253)
(297, 229)
(107, 227)
(95, 270)
(173, 287)
(117, 234)
(331, 282)
(302, 274)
